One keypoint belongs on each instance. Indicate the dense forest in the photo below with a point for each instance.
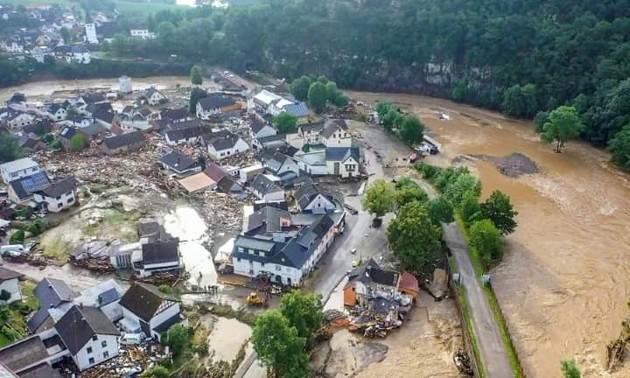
(518, 56)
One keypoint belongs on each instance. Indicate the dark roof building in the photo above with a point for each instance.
(8, 274)
(213, 102)
(59, 187)
(124, 141)
(371, 272)
(263, 185)
(160, 252)
(176, 115)
(22, 354)
(268, 220)
(306, 194)
(51, 293)
(144, 300)
(79, 325)
(214, 171)
(342, 153)
(26, 186)
(179, 162)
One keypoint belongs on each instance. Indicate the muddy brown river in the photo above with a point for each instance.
(564, 284)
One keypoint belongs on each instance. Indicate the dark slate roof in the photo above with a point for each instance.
(52, 109)
(124, 140)
(105, 115)
(305, 194)
(372, 272)
(272, 138)
(257, 125)
(93, 129)
(269, 217)
(151, 90)
(37, 319)
(263, 185)
(312, 127)
(215, 102)
(32, 128)
(108, 297)
(102, 106)
(195, 122)
(93, 97)
(223, 140)
(42, 370)
(334, 125)
(214, 171)
(175, 114)
(143, 300)
(68, 132)
(8, 274)
(22, 353)
(274, 159)
(59, 187)
(51, 291)
(342, 153)
(26, 186)
(185, 133)
(160, 252)
(229, 185)
(178, 161)
(79, 325)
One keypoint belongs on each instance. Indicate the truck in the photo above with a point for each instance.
(12, 250)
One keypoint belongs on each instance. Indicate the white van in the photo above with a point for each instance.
(12, 249)
(131, 338)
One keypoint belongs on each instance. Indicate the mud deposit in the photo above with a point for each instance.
(512, 165)
(563, 285)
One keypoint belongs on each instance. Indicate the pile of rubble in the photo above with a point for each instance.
(133, 358)
(95, 265)
(378, 317)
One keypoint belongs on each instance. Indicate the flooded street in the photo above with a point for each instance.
(186, 224)
(226, 338)
(563, 285)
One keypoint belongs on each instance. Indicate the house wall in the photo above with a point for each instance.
(320, 205)
(149, 269)
(347, 168)
(313, 170)
(264, 132)
(340, 138)
(99, 352)
(170, 311)
(58, 204)
(120, 261)
(7, 177)
(238, 148)
(21, 121)
(349, 296)
(289, 166)
(155, 98)
(295, 140)
(13, 287)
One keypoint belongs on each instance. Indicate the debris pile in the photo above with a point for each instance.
(462, 361)
(133, 358)
(617, 350)
(95, 265)
(379, 316)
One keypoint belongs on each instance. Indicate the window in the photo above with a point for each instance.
(59, 205)
(106, 354)
(262, 265)
(251, 251)
(91, 361)
(261, 254)
(70, 200)
(104, 343)
(238, 259)
(95, 337)
(240, 249)
(278, 268)
(14, 174)
(58, 198)
(89, 350)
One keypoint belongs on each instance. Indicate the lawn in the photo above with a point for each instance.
(14, 315)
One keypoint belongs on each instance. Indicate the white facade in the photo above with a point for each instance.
(347, 168)
(59, 203)
(79, 57)
(166, 311)
(320, 205)
(96, 351)
(142, 33)
(59, 115)
(12, 47)
(340, 138)
(21, 120)
(155, 98)
(239, 147)
(12, 171)
(205, 114)
(266, 131)
(124, 84)
(289, 165)
(90, 33)
(13, 287)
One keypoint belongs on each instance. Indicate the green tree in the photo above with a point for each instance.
(563, 125)
(382, 108)
(440, 210)
(520, 101)
(9, 147)
(570, 369)
(407, 191)
(470, 209)
(379, 198)
(300, 87)
(178, 338)
(157, 371)
(500, 211)
(278, 345)
(486, 240)
(77, 142)
(195, 75)
(391, 119)
(456, 189)
(285, 123)
(331, 91)
(65, 35)
(340, 100)
(304, 312)
(540, 120)
(317, 96)
(17, 237)
(619, 148)
(414, 238)
(411, 130)
(196, 94)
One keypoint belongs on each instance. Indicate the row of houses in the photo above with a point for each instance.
(84, 327)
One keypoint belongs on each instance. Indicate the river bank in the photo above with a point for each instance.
(563, 284)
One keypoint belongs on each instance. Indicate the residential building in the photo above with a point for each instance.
(229, 185)
(58, 196)
(91, 338)
(265, 188)
(56, 112)
(186, 132)
(65, 136)
(215, 104)
(31, 142)
(215, 171)
(259, 129)
(161, 256)
(12, 46)
(124, 84)
(10, 286)
(90, 33)
(142, 33)
(335, 134)
(279, 164)
(78, 54)
(179, 163)
(92, 132)
(224, 144)
(154, 97)
(77, 121)
(22, 190)
(270, 142)
(18, 169)
(312, 162)
(104, 296)
(106, 117)
(51, 293)
(309, 198)
(370, 281)
(123, 143)
(269, 223)
(146, 309)
(248, 174)
(30, 357)
(342, 161)
(262, 101)
(176, 115)
(18, 120)
(297, 109)
(285, 263)
(197, 182)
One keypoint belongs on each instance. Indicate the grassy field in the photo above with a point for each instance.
(14, 315)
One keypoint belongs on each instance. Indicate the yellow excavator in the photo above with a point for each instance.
(255, 299)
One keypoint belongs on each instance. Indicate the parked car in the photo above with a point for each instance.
(12, 250)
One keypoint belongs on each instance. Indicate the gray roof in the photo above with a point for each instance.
(178, 161)
(124, 140)
(51, 291)
(175, 114)
(258, 125)
(264, 185)
(151, 90)
(342, 153)
(372, 272)
(28, 185)
(68, 132)
(269, 217)
(254, 243)
(228, 185)
(144, 300)
(8, 274)
(312, 127)
(305, 194)
(215, 102)
(79, 325)
(160, 252)
(223, 140)
(18, 165)
(274, 159)
(214, 171)
(100, 295)
(59, 187)
(42, 370)
(92, 129)
(187, 132)
(332, 126)
(23, 353)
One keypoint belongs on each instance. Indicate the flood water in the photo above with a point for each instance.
(226, 338)
(564, 284)
(186, 224)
